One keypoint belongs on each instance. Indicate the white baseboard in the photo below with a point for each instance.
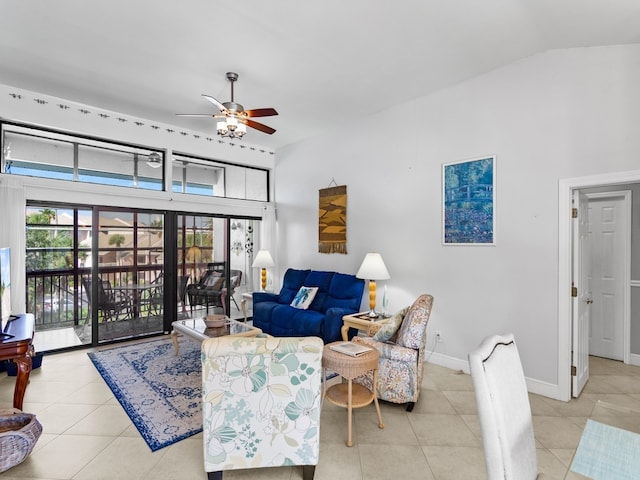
(533, 386)
(448, 362)
(634, 359)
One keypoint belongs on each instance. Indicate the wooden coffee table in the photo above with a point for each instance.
(196, 329)
(348, 394)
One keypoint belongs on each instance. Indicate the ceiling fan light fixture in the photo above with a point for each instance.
(222, 128)
(231, 127)
(154, 160)
(234, 118)
(232, 123)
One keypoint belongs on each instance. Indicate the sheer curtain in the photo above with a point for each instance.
(12, 199)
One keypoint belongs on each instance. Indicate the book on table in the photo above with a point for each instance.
(350, 348)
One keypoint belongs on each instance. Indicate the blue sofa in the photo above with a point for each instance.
(338, 294)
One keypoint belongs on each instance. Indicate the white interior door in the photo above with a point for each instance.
(581, 299)
(608, 232)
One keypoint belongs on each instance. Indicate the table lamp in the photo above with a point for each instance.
(263, 260)
(372, 269)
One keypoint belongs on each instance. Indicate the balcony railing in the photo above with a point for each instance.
(58, 299)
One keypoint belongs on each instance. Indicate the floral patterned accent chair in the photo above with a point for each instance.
(261, 403)
(401, 343)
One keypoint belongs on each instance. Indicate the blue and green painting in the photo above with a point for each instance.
(468, 202)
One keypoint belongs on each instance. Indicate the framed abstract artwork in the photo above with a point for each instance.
(468, 202)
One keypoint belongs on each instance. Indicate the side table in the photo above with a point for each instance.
(362, 321)
(17, 345)
(348, 394)
(246, 297)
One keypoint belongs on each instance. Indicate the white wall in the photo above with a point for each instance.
(561, 114)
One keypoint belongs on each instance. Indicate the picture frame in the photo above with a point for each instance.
(468, 202)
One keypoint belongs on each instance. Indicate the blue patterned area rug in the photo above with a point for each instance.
(160, 392)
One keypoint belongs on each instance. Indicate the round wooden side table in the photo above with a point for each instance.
(348, 394)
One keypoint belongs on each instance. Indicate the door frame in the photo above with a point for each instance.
(565, 190)
(625, 195)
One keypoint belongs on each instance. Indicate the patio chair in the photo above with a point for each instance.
(183, 280)
(213, 289)
(155, 300)
(113, 304)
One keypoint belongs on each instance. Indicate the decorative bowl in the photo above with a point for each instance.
(215, 321)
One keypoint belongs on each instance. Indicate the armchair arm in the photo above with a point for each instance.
(390, 351)
(264, 297)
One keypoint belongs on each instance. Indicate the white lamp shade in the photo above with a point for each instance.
(263, 260)
(373, 268)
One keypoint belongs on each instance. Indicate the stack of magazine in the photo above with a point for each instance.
(350, 348)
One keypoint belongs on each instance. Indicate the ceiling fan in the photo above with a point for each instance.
(235, 118)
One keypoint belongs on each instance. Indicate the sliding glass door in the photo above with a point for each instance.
(214, 259)
(99, 274)
(126, 287)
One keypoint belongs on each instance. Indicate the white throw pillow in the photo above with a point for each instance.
(304, 297)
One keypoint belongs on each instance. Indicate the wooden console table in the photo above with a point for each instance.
(19, 348)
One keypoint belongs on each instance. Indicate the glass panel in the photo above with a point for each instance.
(130, 276)
(47, 154)
(37, 157)
(257, 184)
(106, 167)
(199, 176)
(54, 293)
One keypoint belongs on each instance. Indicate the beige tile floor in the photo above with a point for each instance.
(88, 436)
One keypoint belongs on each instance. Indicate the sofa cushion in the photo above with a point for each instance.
(291, 283)
(390, 328)
(292, 322)
(321, 280)
(304, 297)
(345, 291)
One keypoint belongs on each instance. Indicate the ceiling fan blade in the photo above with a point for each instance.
(195, 114)
(261, 112)
(259, 126)
(215, 102)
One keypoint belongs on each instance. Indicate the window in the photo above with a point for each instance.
(37, 152)
(201, 176)
(46, 154)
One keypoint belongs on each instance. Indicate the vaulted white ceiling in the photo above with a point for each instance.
(321, 63)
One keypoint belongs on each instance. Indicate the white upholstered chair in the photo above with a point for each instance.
(503, 409)
(261, 402)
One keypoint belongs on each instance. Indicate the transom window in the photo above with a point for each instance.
(45, 153)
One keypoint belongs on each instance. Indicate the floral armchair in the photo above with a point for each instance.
(401, 343)
(261, 402)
